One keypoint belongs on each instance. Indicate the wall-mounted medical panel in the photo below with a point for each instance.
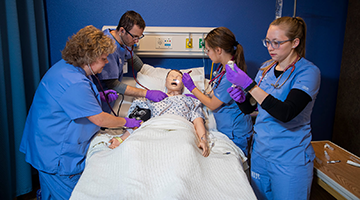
(180, 42)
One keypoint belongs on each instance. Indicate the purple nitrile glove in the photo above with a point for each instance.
(237, 94)
(188, 82)
(191, 95)
(111, 95)
(239, 78)
(155, 95)
(132, 122)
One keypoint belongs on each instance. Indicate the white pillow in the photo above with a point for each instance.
(154, 77)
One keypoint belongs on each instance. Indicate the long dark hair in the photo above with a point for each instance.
(222, 37)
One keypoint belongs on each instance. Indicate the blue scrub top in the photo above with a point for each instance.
(114, 69)
(57, 133)
(230, 120)
(287, 143)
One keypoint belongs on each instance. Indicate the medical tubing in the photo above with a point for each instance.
(120, 103)
(132, 61)
(102, 90)
(107, 100)
(278, 8)
(132, 67)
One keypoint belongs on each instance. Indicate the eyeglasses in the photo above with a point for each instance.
(206, 51)
(135, 37)
(274, 43)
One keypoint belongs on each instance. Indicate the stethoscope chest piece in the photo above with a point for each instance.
(215, 73)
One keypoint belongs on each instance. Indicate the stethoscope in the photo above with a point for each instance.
(132, 59)
(218, 74)
(102, 90)
(276, 85)
(132, 65)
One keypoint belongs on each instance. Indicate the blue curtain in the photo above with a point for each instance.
(23, 61)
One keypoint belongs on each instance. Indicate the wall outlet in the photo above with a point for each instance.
(189, 43)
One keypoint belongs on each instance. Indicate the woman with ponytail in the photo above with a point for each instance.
(284, 91)
(222, 47)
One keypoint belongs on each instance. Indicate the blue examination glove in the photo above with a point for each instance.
(237, 94)
(155, 95)
(132, 122)
(111, 95)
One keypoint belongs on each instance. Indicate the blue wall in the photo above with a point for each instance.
(248, 20)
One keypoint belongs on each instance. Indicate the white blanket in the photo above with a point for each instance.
(161, 160)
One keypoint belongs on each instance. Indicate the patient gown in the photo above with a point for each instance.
(181, 105)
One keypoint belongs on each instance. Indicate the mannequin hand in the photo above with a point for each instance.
(114, 143)
(132, 122)
(111, 95)
(239, 78)
(205, 147)
(188, 82)
(155, 95)
(237, 94)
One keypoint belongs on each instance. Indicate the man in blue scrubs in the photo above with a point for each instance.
(65, 114)
(128, 32)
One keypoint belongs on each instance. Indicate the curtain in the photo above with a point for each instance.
(23, 61)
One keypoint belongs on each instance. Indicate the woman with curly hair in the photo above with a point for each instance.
(66, 113)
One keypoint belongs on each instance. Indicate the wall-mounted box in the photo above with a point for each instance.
(171, 41)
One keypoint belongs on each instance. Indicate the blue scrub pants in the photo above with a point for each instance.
(242, 142)
(275, 181)
(54, 186)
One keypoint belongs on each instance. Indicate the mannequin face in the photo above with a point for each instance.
(174, 82)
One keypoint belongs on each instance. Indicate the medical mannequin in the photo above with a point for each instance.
(128, 32)
(222, 47)
(66, 113)
(177, 104)
(284, 91)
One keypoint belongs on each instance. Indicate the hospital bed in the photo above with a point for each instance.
(160, 160)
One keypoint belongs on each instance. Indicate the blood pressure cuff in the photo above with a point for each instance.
(140, 114)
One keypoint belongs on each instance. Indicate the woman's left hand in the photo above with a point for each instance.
(237, 94)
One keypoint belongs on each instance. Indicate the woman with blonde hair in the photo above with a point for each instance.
(66, 113)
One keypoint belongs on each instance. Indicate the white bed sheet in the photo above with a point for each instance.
(160, 160)
(155, 163)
